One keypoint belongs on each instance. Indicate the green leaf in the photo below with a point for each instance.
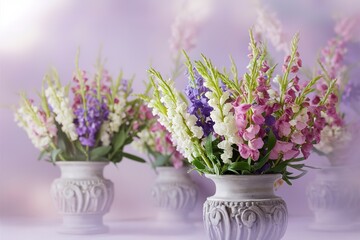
(297, 166)
(162, 160)
(99, 152)
(285, 178)
(297, 176)
(297, 159)
(64, 143)
(279, 168)
(271, 141)
(54, 154)
(209, 145)
(231, 170)
(224, 169)
(118, 157)
(259, 164)
(133, 157)
(42, 154)
(120, 139)
(216, 169)
(80, 148)
(239, 166)
(198, 164)
(311, 167)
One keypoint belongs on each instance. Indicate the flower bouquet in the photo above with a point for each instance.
(244, 134)
(334, 195)
(96, 126)
(81, 128)
(155, 141)
(337, 133)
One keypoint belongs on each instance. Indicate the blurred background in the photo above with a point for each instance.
(36, 35)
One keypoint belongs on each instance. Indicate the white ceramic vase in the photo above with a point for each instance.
(82, 196)
(245, 207)
(174, 194)
(334, 198)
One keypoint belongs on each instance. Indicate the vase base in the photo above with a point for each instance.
(333, 227)
(89, 230)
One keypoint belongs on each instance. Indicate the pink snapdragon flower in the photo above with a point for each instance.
(284, 149)
(257, 116)
(284, 128)
(244, 151)
(298, 138)
(256, 143)
(251, 132)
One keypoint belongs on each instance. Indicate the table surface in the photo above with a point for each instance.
(148, 229)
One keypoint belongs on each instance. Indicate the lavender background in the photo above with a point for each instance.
(35, 35)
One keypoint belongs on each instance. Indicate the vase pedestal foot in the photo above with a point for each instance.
(83, 225)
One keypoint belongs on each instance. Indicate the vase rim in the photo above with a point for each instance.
(169, 168)
(272, 176)
(82, 163)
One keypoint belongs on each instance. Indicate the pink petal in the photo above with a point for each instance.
(253, 129)
(300, 125)
(298, 138)
(284, 129)
(256, 143)
(241, 121)
(283, 147)
(291, 154)
(274, 154)
(242, 108)
(258, 119)
(244, 151)
(294, 69)
(251, 132)
(258, 109)
(255, 154)
(306, 149)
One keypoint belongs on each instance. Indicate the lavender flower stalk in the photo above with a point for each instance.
(199, 105)
(88, 121)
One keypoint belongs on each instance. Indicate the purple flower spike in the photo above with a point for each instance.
(89, 121)
(199, 106)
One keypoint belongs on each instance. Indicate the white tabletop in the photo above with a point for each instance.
(147, 229)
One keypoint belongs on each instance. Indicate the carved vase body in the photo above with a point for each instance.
(174, 194)
(334, 198)
(245, 208)
(82, 196)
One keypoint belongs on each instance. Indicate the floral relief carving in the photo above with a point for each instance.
(250, 220)
(175, 196)
(333, 195)
(92, 196)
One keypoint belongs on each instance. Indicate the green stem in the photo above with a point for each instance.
(87, 153)
(54, 148)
